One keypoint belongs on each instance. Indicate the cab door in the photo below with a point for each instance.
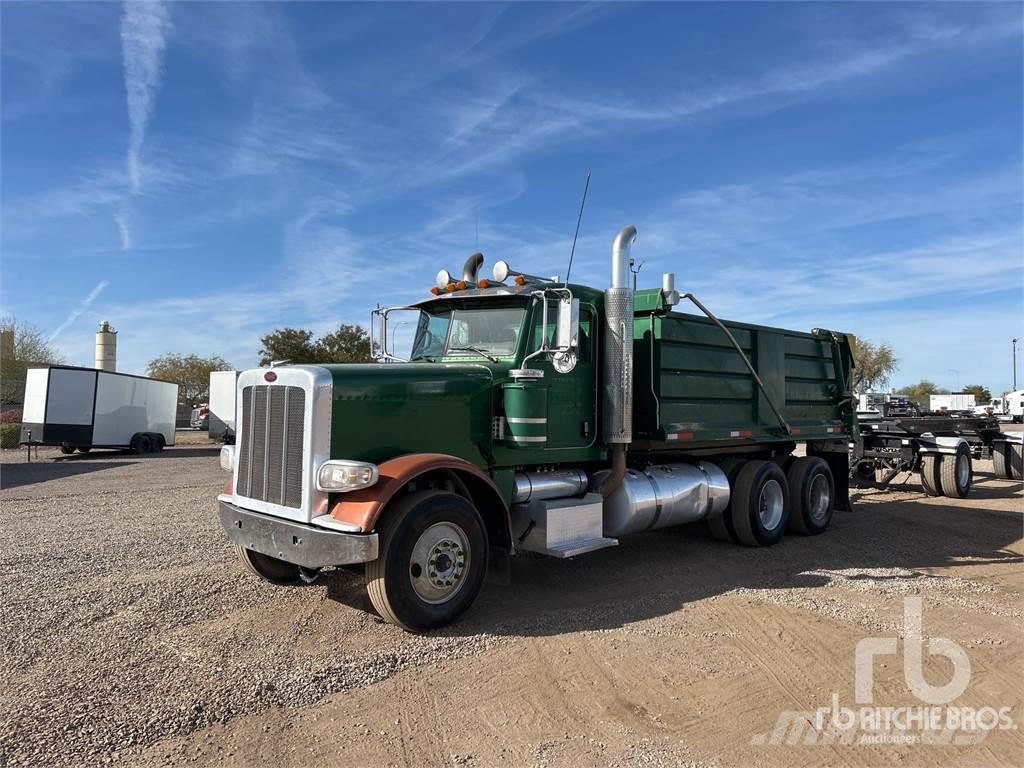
(572, 409)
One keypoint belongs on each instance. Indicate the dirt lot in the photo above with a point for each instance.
(132, 635)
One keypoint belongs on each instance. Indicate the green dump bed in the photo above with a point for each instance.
(691, 385)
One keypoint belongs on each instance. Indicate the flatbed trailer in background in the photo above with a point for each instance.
(939, 447)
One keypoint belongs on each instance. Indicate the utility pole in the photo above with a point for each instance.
(1015, 364)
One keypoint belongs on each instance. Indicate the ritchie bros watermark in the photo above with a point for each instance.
(931, 719)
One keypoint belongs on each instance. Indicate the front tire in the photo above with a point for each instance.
(956, 473)
(760, 508)
(268, 568)
(433, 557)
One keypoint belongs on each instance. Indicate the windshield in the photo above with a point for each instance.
(491, 332)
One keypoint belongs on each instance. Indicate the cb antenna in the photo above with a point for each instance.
(583, 202)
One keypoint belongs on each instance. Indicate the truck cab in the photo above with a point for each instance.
(525, 413)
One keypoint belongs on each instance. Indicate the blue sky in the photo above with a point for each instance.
(199, 174)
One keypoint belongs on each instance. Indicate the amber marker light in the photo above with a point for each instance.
(435, 290)
(462, 285)
(483, 284)
(520, 280)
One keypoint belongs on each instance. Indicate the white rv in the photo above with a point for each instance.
(83, 408)
(222, 405)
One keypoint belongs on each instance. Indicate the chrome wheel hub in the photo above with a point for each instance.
(439, 562)
(770, 503)
(821, 497)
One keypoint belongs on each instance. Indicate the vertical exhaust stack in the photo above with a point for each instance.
(618, 344)
(106, 348)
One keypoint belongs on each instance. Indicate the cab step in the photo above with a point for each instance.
(561, 527)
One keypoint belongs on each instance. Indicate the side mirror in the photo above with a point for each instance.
(567, 332)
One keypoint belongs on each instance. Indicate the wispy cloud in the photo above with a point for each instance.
(124, 232)
(143, 28)
(75, 313)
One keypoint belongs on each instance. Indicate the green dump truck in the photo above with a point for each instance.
(535, 415)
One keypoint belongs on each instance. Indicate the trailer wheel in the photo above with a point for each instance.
(759, 508)
(720, 526)
(141, 444)
(956, 473)
(1001, 460)
(67, 449)
(158, 443)
(930, 480)
(268, 568)
(433, 557)
(1016, 451)
(812, 494)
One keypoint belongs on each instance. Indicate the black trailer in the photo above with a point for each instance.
(939, 447)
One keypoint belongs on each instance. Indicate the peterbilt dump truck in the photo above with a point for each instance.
(533, 415)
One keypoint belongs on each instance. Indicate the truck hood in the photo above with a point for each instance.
(380, 411)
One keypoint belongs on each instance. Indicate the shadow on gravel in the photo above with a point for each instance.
(654, 574)
(16, 475)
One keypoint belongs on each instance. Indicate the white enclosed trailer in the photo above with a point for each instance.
(223, 387)
(83, 408)
(954, 401)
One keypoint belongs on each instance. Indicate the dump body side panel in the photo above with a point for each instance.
(693, 388)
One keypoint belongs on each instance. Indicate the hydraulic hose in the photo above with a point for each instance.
(778, 415)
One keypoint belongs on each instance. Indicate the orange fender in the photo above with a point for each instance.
(362, 508)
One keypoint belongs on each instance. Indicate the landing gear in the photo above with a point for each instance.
(433, 557)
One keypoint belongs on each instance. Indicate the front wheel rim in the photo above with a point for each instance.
(439, 563)
(770, 504)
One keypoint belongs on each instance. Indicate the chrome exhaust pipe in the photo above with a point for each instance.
(618, 344)
(471, 267)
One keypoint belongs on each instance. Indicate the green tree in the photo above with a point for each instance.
(346, 344)
(292, 344)
(919, 392)
(874, 364)
(982, 395)
(22, 346)
(190, 372)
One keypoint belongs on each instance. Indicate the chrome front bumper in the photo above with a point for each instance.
(293, 542)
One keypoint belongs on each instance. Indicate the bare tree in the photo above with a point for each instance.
(22, 346)
(874, 364)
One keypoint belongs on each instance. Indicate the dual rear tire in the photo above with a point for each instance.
(949, 474)
(1007, 460)
(766, 501)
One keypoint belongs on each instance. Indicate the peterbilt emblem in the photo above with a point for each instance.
(270, 376)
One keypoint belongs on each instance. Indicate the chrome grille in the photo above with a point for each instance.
(270, 443)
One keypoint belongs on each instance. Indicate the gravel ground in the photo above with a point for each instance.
(132, 635)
